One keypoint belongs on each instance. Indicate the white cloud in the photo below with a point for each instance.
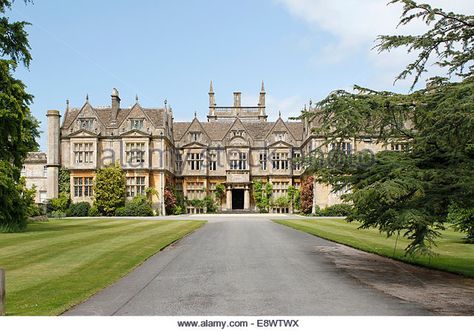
(355, 24)
(359, 21)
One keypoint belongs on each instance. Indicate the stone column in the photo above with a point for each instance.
(246, 198)
(229, 199)
(53, 153)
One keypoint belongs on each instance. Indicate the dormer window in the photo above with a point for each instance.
(137, 124)
(86, 123)
(195, 136)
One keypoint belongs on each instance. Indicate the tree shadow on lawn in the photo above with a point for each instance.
(440, 292)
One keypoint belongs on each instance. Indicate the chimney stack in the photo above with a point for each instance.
(237, 99)
(53, 156)
(115, 104)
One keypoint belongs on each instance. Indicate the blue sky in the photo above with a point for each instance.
(170, 50)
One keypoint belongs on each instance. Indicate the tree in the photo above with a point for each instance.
(171, 203)
(449, 39)
(294, 197)
(407, 190)
(16, 200)
(262, 194)
(18, 128)
(462, 220)
(307, 195)
(109, 189)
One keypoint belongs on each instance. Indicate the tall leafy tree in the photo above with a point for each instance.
(109, 189)
(428, 167)
(18, 128)
(449, 40)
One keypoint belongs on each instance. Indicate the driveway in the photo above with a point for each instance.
(243, 265)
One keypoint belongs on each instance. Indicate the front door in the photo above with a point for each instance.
(237, 199)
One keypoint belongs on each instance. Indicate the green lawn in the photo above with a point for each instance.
(57, 264)
(452, 253)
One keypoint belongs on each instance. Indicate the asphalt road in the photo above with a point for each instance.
(244, 265)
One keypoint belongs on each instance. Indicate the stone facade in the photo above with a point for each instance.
(35, 171)
(235, 146)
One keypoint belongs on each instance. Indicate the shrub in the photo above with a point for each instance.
(94, 211)
(79, 209)
(138, 206)
(57, 214)
(40, 218)
(178, 210)
(317, 211)
(210, 204)
(60, 203)
(220, 193)
(262, 194)
(121, 211)
(341, 209)
(282, 201)
(35, 210)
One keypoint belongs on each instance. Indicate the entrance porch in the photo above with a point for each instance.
(238, 197)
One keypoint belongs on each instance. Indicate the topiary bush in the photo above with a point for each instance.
(79, 209)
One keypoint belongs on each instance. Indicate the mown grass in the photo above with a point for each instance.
(452, 254)
(55, 265)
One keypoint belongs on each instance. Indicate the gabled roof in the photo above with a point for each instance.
(237, 124)
(280, 125)
(197, 126)
(155, 115)
(256, 130)
(216, 130)
(179, 129)
(296, 128)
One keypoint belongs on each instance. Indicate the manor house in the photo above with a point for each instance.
(234, 146)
